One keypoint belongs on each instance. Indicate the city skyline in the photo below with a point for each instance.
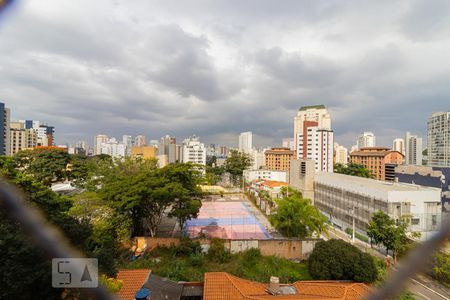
(253, 77)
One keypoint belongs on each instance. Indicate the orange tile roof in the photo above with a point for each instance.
(273, 184)
(133, 280)
(223, 286)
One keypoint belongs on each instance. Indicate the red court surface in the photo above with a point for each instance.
(226, 220)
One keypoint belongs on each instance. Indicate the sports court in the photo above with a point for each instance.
(226, 220)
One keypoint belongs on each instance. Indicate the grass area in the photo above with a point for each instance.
(189, 264)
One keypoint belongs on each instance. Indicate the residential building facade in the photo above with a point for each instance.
(398, 144)
(113, 148)
(167, 146)
(21, 138)
(279, 158)
(439, 139)
(380, 161)
(246, 142)
(413, 149)
(98, 141)
(316, 143)
(4, 129)
(314, 113)
(194, 151)
(340, 154)
(145, 152)
(366, 139)
(271, 175)
(140, 141)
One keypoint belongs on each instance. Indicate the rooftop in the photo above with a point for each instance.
(221, 286)
(133, 280)
(367, 183)
(373, 151)
(320, 106)
(273, 184)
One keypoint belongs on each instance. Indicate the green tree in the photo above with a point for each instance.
(339, 260)
(353, 170)
(295, 216)
(46, 165)
(185, 194)
(383, 230)
(236, 163)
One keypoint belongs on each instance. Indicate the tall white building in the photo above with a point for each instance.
(314, 137)
(399, 145)
(439, 139)
(140, 141)
(288, 143)
(98, 141)
(245, 142)
(366, 139)
(340, 154)
(316, 113)
(317, 145)
(194, 151)
(113, 148)
(127, 140)
(413, 149)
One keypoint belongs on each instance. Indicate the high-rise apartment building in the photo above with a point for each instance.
(315, 113)
(113, 148)
(168, 146)
(288, 143)
(399, 145)
(380, 161)
(279, 159)
(4, 129)
(21, 138)
(194, 151)
(127, 140)
(99, 140)
(340, 154)
(246, 142)
(413, 149)
(140, 141)
(366, 139)
(439, 139)
(313, 136)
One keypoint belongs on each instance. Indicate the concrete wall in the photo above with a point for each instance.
(286, 248)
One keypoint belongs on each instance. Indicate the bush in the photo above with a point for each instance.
(187, 247)
(441, 268)
(196, 259)
(339, 260)
(217, 251)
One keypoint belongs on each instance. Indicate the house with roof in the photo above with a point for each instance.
(224, 286)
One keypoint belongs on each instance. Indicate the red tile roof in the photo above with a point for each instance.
(132, 280)
(223, 286)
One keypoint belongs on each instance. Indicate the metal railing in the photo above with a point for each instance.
(55, 244)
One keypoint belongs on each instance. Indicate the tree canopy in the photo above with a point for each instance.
(142, 193)
(383, 230)
(295, 216)
(237, 162)
(353, 170)
(339, 260)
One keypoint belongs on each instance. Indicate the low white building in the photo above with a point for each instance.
(251, 175)
(336, 195)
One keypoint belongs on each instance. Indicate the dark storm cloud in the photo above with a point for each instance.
(216, 68)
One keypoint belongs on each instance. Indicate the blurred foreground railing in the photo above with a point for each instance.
(56, 245)
(46, 236)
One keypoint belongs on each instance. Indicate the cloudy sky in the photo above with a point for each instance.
(217, 68)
